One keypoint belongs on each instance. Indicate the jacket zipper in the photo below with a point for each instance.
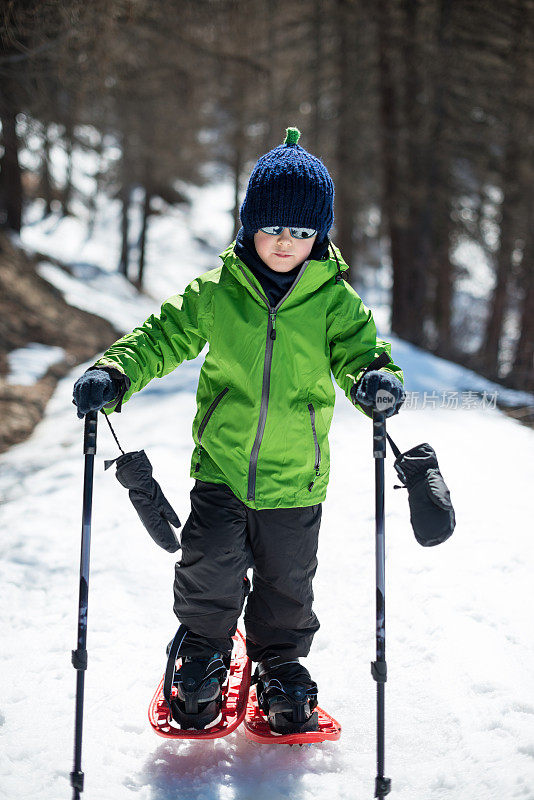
(267, 361)
(311, 409)
(205, 420)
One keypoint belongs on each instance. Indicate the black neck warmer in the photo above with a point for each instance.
(274, 284)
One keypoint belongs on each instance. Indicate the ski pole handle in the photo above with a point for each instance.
(89, 433)
(379, 434)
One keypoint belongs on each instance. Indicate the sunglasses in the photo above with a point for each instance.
(296, 233)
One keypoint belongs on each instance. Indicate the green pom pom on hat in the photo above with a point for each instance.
(292, 136)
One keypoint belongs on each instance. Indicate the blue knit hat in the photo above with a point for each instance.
(289, 187)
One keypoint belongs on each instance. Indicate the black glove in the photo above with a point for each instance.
(93, 390)
(381, 391)
(134, 471)
(431, 511)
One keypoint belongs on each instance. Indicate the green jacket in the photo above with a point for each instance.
(265, 397)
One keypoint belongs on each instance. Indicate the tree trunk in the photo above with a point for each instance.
(239, 145)
(344, 206)
(392, 208)
(142, 239)
(316, 70)
(93, 198)
(124, 263)
(10, 172)
(237, 170)
(271, 133)
(67, 190)
(489, 350)
(437, 211)
(414, 183)
(522, 374)
(523, 369)
(518, 128)
(46, 180)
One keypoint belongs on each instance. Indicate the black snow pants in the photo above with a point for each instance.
(221, 539)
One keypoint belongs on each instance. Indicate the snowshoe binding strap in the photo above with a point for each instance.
(170, 670)
(286, 695)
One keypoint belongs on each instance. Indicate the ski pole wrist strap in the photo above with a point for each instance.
(107, 464)
(379, 362)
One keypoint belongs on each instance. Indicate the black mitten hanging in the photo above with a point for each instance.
(431, 512)
(134, 472)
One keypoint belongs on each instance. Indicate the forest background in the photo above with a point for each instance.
(422, 110)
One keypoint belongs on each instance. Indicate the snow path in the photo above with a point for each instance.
(460, 638)
(459, 699)
(28, 364)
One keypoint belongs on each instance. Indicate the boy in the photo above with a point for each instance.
(279, 318)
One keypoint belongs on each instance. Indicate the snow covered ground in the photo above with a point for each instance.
(28, 364)
(460, 639)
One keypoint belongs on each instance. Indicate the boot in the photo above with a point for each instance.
(286, 695)
(199, 698)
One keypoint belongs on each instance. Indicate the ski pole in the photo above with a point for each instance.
(379, 667)
(79, 656)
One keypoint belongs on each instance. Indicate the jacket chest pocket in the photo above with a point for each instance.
(205, 419)
(317, 464)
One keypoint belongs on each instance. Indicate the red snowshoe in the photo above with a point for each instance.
(232, 701)
(282, 707)
(257, 727)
